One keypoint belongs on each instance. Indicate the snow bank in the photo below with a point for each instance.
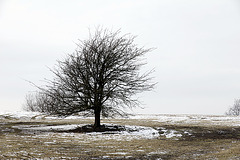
(18, 115)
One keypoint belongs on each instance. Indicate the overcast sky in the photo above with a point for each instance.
(196, 60)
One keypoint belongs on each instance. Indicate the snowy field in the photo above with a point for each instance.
(164, 118)
(27, 135)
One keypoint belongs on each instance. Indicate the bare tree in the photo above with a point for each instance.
(235, 109)
(38, 102)
(100, 77)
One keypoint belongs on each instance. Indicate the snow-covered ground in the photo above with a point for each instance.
(132, 132)
(163, 118)
(191, 119)
(144, 130)
(18, 115)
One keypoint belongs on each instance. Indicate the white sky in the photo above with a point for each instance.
(197, 55)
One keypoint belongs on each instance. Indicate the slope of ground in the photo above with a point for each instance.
(26, 135)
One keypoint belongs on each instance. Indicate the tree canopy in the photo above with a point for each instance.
(101, 77)
(234, 110)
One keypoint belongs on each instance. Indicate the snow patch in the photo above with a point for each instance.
(119, 153)
(46, 128)
(191, 119)
(145, 132)
(18, 115)
(169, 133)
(131, 132)
(158, 152)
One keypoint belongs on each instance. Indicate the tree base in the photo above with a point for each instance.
(102, 128)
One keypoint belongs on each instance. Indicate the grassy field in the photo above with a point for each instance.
(202, 139)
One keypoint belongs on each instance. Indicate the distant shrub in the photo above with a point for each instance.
(38, 102)
(235, 109)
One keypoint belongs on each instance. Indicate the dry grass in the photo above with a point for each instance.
(203, 142)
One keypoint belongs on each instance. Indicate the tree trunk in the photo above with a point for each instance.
(97, 118)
